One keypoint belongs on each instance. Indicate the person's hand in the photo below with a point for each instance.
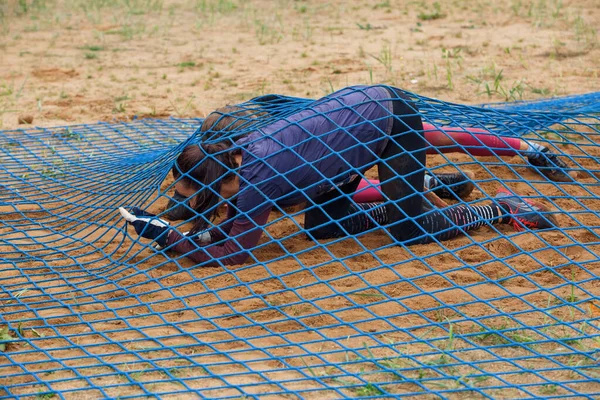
(147, 225)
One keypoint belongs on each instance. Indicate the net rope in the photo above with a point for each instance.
(90, 309)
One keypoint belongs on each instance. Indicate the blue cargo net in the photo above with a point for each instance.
(90, 309)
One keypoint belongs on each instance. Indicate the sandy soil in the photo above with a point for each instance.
(481, 316)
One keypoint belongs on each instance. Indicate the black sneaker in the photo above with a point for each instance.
(551, 166)
(525, 213)
(178, 208)
(451, 185)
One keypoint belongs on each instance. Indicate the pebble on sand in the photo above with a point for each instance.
(25, 119)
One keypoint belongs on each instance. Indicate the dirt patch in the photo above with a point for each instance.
(54, 74)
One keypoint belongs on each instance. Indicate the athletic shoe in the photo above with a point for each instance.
(524, 212)
(551, 166)
(451, 185)
(178, 208)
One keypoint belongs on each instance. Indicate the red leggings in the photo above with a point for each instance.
(473, 141)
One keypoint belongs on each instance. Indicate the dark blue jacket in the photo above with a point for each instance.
(303, 155)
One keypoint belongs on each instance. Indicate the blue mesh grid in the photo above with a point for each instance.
(89, 309)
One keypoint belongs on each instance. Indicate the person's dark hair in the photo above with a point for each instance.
(228, 118)
(206, 172)
(205, 168)
(223, 119)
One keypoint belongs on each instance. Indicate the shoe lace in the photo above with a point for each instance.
(517, 222)
(553, 158)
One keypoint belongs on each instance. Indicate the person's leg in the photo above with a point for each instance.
(478, 142)
(401, 172)
(402, 169)
(332, 214)
(507, 209)
(475, 143)
(368, 191)
(445, 185)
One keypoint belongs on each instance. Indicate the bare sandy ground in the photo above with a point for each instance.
(306, 323)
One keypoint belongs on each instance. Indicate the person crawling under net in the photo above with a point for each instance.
(317, 155)
(473, 141)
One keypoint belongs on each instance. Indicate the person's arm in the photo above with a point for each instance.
(221, 231)
(243, 236)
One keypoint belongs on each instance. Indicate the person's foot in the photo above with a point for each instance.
(552, 167)
(524, 212)
(178, 208)
(451, 185)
